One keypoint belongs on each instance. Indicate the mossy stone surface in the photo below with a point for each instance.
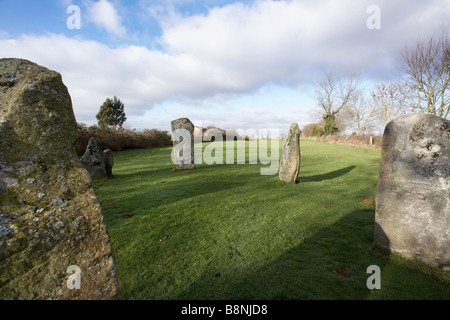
(50, 218)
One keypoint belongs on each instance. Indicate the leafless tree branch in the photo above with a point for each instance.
(427, 70)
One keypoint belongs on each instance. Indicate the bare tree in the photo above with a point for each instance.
(360, 114)
(389, 100)
(427, 67)
(333, 95)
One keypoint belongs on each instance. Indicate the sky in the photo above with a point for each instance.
(233, 64)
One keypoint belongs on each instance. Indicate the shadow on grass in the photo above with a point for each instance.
(327, 176)
(332, 264)
(165, 185)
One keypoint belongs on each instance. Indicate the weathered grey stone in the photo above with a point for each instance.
(413, 193)
(183, 143)
(94, 161)
(109, 162)
(290, 155)
(41, 237)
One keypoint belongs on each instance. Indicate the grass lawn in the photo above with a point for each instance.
(227, 232)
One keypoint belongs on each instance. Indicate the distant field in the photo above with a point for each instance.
(227, 232)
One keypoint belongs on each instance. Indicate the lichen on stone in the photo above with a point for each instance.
(49, 215)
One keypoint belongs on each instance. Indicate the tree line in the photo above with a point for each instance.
(110, 134)
(342, 102)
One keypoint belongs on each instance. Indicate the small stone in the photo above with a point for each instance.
(59, 224)
(9, 81)
(109, 162)
(4, 231)
(10, 182)
(31, 180)
(4, 219)
(41, 195)
(94, 161)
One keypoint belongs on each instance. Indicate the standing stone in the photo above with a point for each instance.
(51, 223)
(109, 162)
(413, 194)
(290, 155)
(95, 161)
(183, 143)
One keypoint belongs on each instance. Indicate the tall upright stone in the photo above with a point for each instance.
(53, 240)
(290, 155)
(413, 193)
(183, 143)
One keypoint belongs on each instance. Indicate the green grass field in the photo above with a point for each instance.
(227, 232)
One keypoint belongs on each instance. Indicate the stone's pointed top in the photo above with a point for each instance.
(92, 145)
(36, 99)
(294, 128)
(98, 163)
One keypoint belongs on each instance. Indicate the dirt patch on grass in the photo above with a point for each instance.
(342, 272)
(368, 201)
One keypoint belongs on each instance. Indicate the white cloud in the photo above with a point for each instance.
(139, 76)
(105, 15)
(231, 50)
(290, 40)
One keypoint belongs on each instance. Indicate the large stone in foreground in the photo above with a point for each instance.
(413, 193)
(183, 143)
(290, 155)
(50, 218)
